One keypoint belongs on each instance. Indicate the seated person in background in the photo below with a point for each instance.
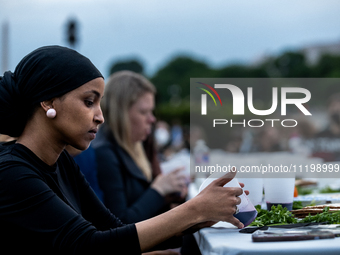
(124, 172)
(163, 141)
(152, 154)
(267, 140)
(326, 144)
(301, 136)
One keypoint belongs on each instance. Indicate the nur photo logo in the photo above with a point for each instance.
(238, 104)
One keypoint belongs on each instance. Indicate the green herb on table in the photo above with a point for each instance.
(325, 216)
(328, 189)
(304, 191)
(298, 205)
(276, 216)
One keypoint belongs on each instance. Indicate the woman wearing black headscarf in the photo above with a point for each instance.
(46, 206)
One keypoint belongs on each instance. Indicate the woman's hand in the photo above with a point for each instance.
(242, 186)
(172, 182)
(206, 224)
(218, 203)
(214, 203)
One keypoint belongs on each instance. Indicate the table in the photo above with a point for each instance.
(223, 238)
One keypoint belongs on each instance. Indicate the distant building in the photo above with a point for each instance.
(314, 52)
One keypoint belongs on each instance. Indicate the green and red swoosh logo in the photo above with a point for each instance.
(208, 92)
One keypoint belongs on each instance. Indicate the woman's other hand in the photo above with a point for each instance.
(172, 182)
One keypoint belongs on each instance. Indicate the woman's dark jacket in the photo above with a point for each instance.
(127, 193)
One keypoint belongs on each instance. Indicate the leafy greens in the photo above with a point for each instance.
(276, 216)
(281, 216)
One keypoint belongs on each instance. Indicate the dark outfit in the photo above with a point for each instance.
(51, 209)
(87, 163)
(127, 193)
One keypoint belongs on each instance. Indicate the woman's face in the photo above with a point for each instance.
(141, 117)
(79, 114)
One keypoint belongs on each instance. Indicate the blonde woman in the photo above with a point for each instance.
(124, 172)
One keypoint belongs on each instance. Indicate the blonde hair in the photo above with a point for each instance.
(122, 90)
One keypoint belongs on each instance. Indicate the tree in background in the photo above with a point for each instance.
(328, 66)
(173, 79)
(287, 65)
(173, 90)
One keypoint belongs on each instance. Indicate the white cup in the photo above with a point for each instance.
(279, 191)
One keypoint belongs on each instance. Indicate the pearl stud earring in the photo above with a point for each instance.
(51, 113)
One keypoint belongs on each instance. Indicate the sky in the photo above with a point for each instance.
(218, 32)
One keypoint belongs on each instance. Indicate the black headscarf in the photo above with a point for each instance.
(45, 73)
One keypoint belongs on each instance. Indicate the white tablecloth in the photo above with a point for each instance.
(225, 240)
